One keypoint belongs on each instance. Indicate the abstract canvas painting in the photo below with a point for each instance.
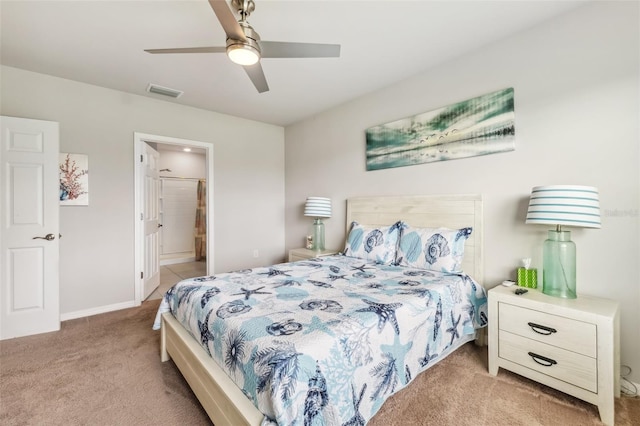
(479, 126)
(74, 180)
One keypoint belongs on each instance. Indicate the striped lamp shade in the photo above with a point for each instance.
(317, 207)
(570, 205)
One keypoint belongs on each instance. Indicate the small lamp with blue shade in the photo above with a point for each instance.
(562, 205)
(318, 207)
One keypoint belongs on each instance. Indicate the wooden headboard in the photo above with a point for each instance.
(428, 211)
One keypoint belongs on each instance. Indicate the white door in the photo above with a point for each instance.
(150, 215)
(29, 293)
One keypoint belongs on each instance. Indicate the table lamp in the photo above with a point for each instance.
(318, 207)
(562, 205)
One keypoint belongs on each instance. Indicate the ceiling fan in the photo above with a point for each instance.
(245, 48)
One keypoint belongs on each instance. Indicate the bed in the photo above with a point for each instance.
(328, 340)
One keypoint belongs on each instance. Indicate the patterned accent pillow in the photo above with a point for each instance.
(435, 249)
(377, 244)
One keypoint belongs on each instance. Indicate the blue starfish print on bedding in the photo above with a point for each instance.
(249, 292)
(205, 334)
(454, 328)
(287, 283)
(320, 283)
(428, 357)
(385, 311)
(317, 324)
(356, 419)
(397, 350)
(361, 268)
(274, 272)
(336, 277)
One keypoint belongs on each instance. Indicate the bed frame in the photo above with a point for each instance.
(223, 401)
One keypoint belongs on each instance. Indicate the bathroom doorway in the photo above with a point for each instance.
(182, 178)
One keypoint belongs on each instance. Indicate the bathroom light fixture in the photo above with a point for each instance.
(187, 149)
(569, 205)
(318, 207)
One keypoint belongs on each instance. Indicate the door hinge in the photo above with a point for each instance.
(141, 216)
(141, 158)
(141, 275)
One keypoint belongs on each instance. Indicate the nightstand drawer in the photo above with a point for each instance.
(569, 334)
(570, 367)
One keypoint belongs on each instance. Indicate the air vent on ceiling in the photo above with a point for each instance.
(165, 91)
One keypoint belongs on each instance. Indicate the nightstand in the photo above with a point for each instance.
(303, 253)
(572, 345)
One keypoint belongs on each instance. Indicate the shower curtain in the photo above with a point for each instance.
(201, 221)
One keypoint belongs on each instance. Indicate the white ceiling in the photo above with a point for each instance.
(103, 42)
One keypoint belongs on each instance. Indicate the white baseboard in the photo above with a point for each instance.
(95, 311)
(172, 259)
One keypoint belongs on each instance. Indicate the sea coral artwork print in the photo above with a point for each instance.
(74, 179)
(479, 126)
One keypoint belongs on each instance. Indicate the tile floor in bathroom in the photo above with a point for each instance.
(171, 274)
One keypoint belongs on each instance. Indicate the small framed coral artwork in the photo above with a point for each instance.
(74, 179)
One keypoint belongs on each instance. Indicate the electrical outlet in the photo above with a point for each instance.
(256, 253)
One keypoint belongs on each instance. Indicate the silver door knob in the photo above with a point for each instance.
(48, 237)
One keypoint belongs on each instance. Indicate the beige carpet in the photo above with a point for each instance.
(105, 370)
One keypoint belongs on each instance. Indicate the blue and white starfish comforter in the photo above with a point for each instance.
(326, 341)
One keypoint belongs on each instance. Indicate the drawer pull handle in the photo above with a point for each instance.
(541, 329)
(542, 360)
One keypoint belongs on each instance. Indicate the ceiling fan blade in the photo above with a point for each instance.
(212, 49)
(227, 20)
(283, 49)
(257, 77)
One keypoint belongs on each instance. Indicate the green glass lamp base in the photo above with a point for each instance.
(318, 235)
(559, 265)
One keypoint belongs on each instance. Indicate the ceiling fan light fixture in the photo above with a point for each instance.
(243, 54)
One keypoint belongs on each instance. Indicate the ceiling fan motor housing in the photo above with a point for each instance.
(250, 45)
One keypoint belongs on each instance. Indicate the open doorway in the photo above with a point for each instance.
(174, 211)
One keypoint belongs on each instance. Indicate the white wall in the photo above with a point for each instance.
(96, 251)
(182, 164)
(576, 107)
